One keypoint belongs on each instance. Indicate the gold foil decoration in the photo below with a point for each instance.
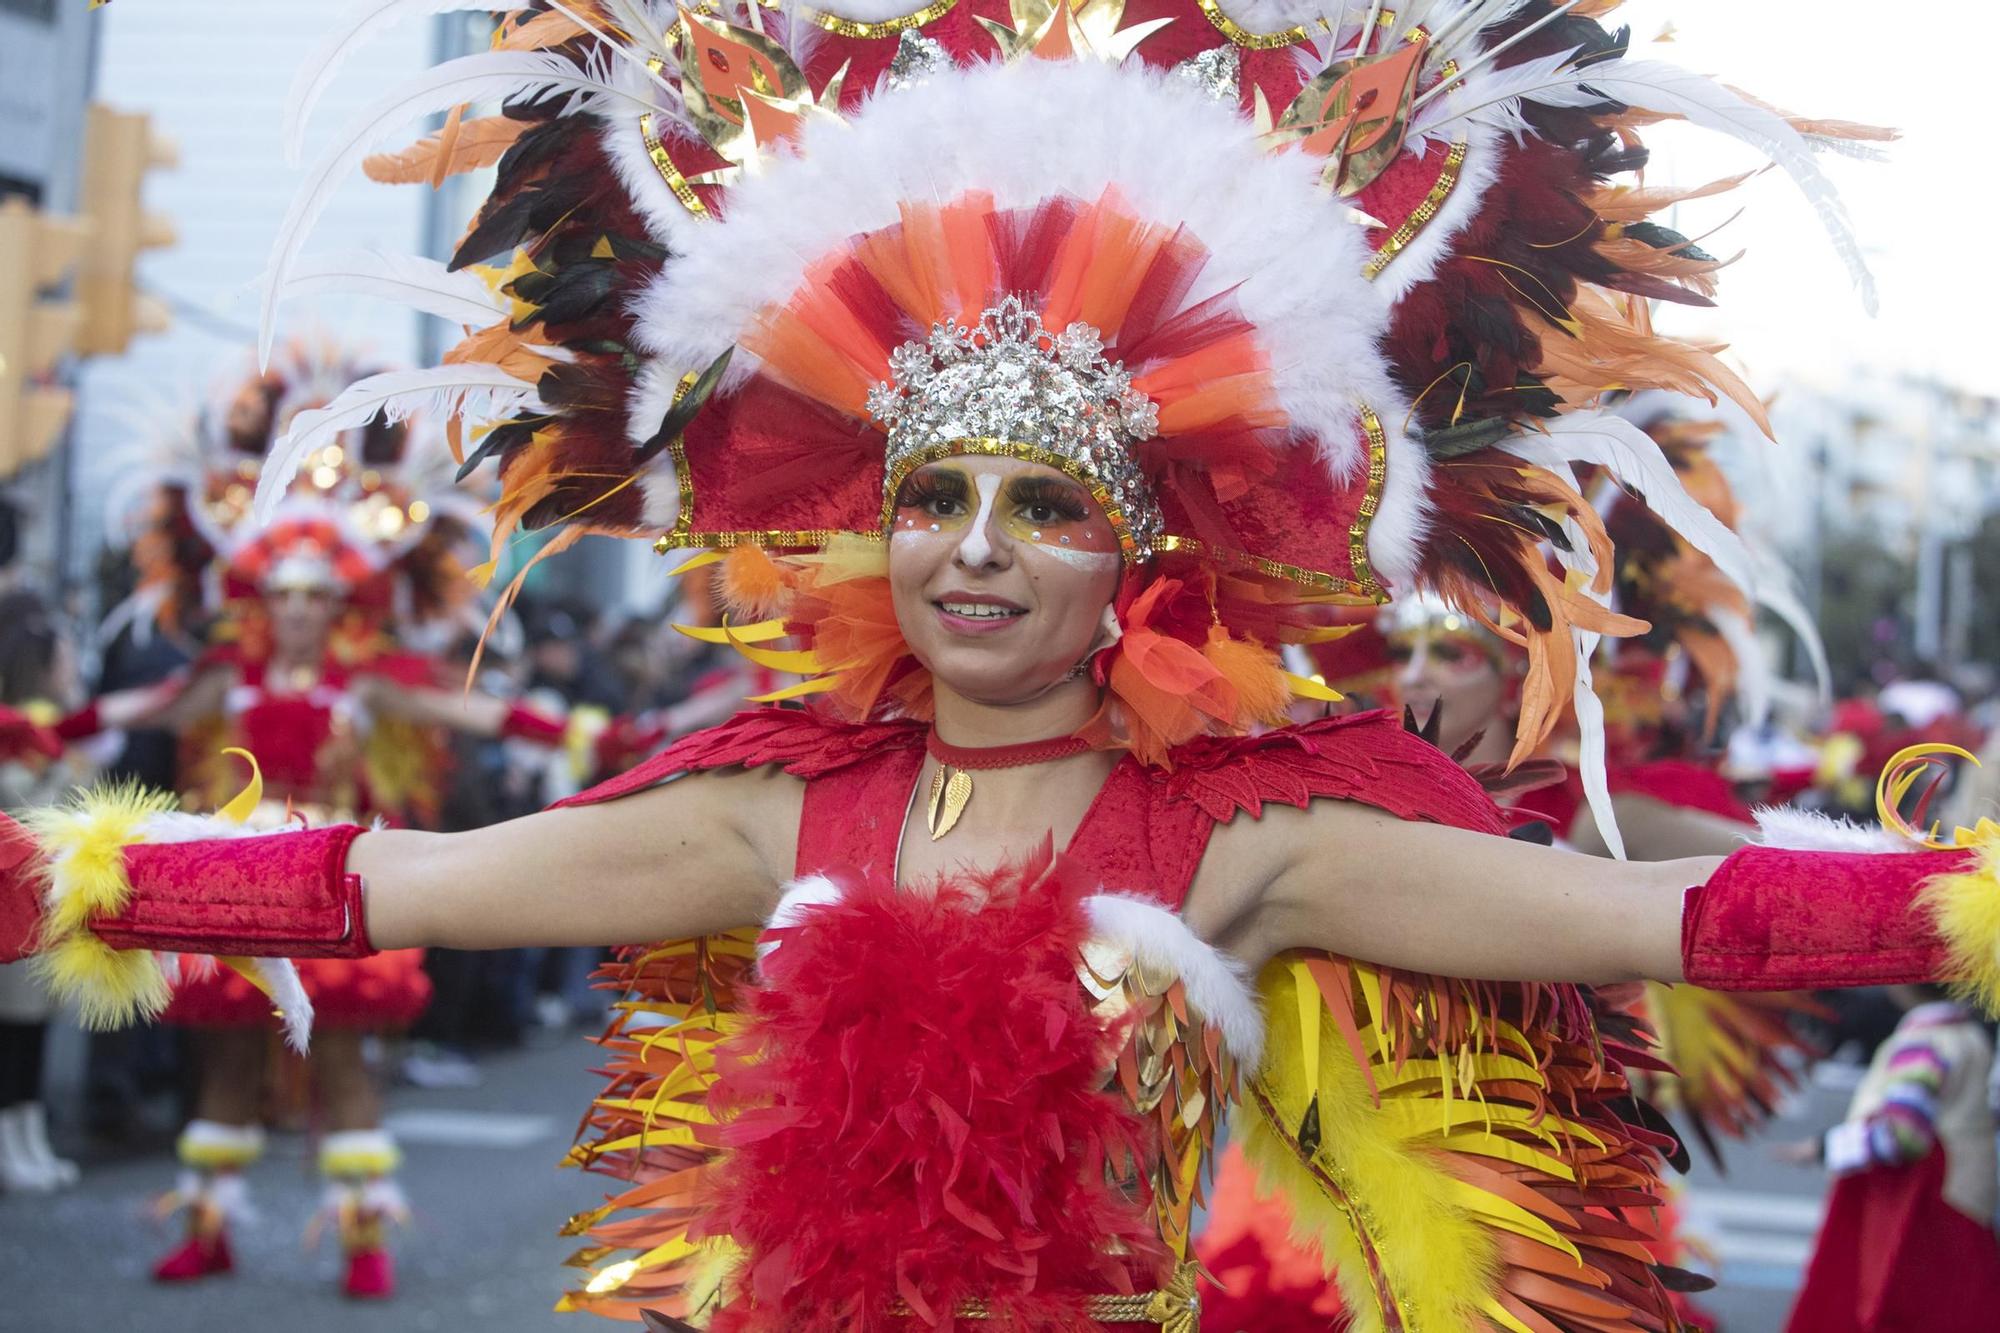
(1169, 1067)
(1068, 30)
(1355, 113)
(743, 91)
(951, 792)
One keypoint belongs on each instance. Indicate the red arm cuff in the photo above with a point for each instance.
(528, 725)
(272, 895)
(80, 725)
(1775, 919)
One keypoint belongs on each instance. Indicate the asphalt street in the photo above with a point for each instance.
(482, 1253)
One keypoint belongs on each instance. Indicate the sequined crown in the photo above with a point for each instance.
(1006, 385)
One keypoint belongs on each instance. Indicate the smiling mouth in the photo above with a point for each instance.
(979, 610)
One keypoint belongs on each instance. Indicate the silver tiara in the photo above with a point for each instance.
(1006, 385)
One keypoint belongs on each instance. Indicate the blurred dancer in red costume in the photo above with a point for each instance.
(304, 677)
(1036, 375)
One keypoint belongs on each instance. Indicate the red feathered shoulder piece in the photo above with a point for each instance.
(803, 742)
(1365, 757)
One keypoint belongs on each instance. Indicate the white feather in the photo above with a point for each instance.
(424, 284)
(1809, 831)
(1494, 96)
(1590, 747)
(1776, 594)
(1591, 751)
(1631, 456)
(361, 24)
(494, 76)
(1657, 86)
(397, 394)
(1753, 668)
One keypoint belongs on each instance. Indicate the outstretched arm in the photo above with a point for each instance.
(677, 860)
(471, 713)
(174, 704)
(1426, 898)
(104, 886)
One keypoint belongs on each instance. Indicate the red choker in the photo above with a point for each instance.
(951, 785)
(1003, 756)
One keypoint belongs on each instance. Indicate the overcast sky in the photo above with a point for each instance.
(1925, 217)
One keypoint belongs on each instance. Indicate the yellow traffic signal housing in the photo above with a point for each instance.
(35, 252)
(119, 149)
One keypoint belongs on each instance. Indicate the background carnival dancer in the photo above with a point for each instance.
(305, 674)
(1908, 1241)
(1029, 445)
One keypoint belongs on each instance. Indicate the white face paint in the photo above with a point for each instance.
(977, 549)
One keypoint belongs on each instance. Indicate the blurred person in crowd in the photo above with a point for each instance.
(304, 679)
(38, 679)
(1908, 1242)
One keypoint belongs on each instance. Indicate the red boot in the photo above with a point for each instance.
(198, 1256)
(362, 1201)
(371, 1274)
(212, 1190)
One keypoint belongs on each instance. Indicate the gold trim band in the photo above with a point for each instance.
(1371, 500)
(1175, 1308)
(1243, 37)
(924, 17)
(1421, 216)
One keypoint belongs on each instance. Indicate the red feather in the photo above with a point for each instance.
(919, 1115)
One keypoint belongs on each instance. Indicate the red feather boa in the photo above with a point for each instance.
(918, 1114)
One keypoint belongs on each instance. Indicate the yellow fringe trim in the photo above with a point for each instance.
(83, 870)
(1966, 909)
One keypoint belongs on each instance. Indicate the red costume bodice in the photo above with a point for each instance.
(1002, 1088)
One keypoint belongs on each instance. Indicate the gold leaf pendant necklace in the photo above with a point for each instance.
(951, 784)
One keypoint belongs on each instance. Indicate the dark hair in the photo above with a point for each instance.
(28, 638)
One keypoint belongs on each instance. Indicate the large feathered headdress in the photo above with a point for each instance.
(1320, 306)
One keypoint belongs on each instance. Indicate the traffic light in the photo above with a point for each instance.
(35, 252)
(119, 149)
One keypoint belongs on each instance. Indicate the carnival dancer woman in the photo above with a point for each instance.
(1065, 375)
(305, 676)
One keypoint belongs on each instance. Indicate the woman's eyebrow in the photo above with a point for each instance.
(1021, 486)
(940, 480)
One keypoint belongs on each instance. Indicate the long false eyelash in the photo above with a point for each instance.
(925, 486)
(1068, 502)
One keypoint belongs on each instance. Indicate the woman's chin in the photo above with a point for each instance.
(996, 682)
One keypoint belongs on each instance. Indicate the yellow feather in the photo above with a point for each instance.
(110, 987)
(1966, 908)
(83, 869)
(1440, 1261)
